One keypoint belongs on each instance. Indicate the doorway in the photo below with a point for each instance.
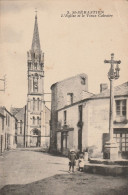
(64, 141)
(35, 139)
(80, 139)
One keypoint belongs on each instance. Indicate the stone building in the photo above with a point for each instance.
(85, 124)
(65, 92)
(37, 114)
(1, 133)
(20, 114)
(33, 128)
(9, 129)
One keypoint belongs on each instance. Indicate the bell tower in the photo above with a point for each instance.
(35, 96)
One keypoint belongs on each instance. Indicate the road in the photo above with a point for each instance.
(26, 166)
(33, 172)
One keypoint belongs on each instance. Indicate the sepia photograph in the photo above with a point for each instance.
(63, 97)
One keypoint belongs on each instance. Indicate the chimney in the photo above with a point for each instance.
(103, 86)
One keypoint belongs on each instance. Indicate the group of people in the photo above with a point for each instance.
(73, 156)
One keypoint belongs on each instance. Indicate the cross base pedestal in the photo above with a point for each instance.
(111, 150)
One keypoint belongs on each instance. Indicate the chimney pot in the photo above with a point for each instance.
(103, 86)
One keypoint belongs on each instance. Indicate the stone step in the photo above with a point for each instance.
(102, 169)
(108, 161)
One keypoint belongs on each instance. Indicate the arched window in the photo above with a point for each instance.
(38, 103)
(35, 65)
(33, 120)
(38, 120)
(33, 103)
(41, 66)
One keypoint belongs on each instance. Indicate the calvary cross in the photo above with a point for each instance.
(112, 62)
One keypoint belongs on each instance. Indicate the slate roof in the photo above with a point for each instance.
(36, 39)
(120, 90)
(14, 110)
(20, 115)
(1, 110)
(87, 94)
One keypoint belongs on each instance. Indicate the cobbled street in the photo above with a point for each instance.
(33, 172)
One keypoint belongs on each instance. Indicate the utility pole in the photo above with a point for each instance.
(113, 74)
(4, 83)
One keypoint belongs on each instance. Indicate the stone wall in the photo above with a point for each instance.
(60, 98)
(98, 123)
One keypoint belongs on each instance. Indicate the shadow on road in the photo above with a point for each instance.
(77, 183)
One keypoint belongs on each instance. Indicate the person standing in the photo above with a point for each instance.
(72, 159)
(81, 162)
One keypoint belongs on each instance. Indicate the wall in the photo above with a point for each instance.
(71, 85)
(45, 128)
(98, 122)
(20, 126)
(95, 124)
(72, 122)
(9, 129)
(59, 99)
(1, 134)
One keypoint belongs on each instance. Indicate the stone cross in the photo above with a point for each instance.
(111, 73)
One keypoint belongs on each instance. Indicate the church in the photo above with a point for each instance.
(33, 129)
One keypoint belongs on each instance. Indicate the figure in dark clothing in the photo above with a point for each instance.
(72, 159)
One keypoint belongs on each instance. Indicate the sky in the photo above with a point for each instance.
(71, 45)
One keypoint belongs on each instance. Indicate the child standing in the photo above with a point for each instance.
(81, 162)
(72, 159)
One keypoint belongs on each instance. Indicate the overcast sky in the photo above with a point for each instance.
(71, 45)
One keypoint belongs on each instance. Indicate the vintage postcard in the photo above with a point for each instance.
(63, 97)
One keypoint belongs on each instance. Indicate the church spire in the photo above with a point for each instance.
(36, 39)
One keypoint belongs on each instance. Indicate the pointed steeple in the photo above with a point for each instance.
(36, 39)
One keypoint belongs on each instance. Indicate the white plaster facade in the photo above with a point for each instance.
(9, 130)
(94, 123)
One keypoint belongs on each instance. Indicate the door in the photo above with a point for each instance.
(80, 139)
(33, 141)
(63, 141)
